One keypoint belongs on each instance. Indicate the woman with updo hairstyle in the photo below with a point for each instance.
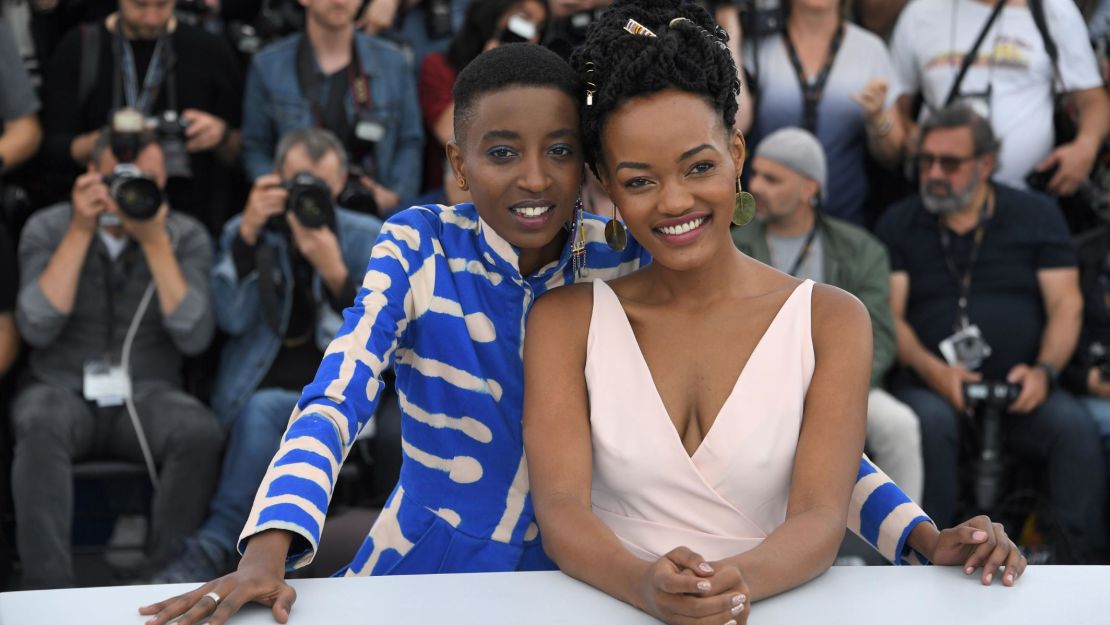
(694, 428)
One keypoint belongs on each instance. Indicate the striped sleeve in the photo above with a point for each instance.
(883, 515)
(334, 407)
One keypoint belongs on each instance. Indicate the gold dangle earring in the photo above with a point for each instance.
(744, 209)
(615, 235)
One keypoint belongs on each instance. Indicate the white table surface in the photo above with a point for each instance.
(855, 595)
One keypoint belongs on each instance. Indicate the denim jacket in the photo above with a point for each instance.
(273, 104)
(253, 345)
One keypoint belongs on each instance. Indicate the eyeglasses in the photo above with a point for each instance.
(948, 164)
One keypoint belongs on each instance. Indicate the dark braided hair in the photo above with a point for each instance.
(690, 55)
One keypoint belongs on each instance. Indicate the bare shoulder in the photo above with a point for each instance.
(564, 311)
(838, 315)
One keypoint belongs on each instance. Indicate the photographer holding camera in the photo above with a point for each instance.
(183, 80)
(359, 87)
(279, 326)
(114, 294)
(984, 287)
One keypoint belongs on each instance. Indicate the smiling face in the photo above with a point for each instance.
(670, 165)
(520, 156)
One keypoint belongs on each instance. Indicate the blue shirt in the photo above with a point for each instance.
(445, 303)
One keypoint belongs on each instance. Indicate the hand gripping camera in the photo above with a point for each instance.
(309, 199)
(990, 400)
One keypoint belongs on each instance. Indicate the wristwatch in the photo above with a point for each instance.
(1050, 372)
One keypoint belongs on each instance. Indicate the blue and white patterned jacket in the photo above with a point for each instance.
(444, 303)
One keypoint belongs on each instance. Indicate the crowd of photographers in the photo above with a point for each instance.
(191, 189)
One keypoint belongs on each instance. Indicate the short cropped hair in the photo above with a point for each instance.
(510, 65)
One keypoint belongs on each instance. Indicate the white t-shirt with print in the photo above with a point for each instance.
(932, 37)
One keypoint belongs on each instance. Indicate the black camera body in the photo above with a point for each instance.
(170, 129)
(437, 18)
(309, 199)
(1099, 356)
(991, 394)
(1088, 195)
(136, 193)
(761, 18)
(989, 399)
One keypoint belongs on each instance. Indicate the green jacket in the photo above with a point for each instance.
(854, 261)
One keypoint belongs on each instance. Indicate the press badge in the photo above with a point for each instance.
(106, 383)
(369, 130)
(966, 348)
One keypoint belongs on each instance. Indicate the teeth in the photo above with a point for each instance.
(682, 228)
(531, 211)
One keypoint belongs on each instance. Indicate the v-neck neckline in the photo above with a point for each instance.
(674, 434)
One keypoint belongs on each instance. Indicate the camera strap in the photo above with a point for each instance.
(964, 280)
(152, 81)
(969, 58)
(813, 92)
(806, 247)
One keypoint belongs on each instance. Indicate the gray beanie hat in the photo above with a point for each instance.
(799, 150)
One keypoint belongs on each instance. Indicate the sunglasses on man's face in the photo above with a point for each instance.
(948, 164)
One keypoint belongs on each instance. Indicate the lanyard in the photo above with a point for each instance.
(812, 92)
(333, 115)
(964, 281)
(153, 79)
(804, 251)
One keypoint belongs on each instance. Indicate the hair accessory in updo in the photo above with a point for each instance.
(636, 28)
(683, 49)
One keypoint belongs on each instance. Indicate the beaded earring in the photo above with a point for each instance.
(744, 210)
(615, 234)
(578, 241)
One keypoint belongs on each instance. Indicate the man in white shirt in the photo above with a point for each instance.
(1011, 82)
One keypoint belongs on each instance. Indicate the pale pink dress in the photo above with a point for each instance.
(733, 491)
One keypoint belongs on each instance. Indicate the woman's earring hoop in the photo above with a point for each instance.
(615, 235)
(743, 212)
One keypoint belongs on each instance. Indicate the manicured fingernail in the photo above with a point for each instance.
(731, 623)
(705, 568)
(969, 570)
(1010, 578)
(980, 535)
(739, 600)
(703, 586)
(738, 609)
(990, 576)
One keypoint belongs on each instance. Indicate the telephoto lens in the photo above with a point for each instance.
(136, 193)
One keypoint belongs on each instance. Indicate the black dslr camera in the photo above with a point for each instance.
(170, 129)
(309, 199)
(136, 193)
(989, 399)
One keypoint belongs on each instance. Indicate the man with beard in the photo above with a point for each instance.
(984, 286)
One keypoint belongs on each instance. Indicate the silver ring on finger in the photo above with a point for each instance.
(214, 597)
